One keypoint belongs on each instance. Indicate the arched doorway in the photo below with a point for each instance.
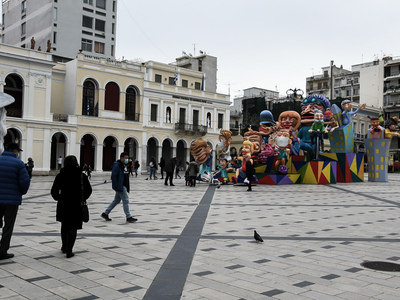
(58, 148)
(181, 153)
(12, 136)
(88, 150)
(109, 152)
(130, 146)
(166, 150)
(151, 149)
(14, 87)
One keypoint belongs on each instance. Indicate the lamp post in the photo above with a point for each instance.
(294, 94)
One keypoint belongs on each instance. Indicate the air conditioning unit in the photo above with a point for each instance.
(391, 103)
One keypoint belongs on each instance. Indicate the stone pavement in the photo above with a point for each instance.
(197, 243)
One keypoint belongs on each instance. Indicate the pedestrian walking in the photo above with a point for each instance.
(89, 172)
(136, 166)
(193, 170)
(153, 167)
(130, 167)
(59, 162)
(178, 165)
(162, 165)
(29, 166)
(169, 170)
(14, 182)
(120, 184)
(70, 188)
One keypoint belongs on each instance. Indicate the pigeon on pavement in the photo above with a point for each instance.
(257, 237)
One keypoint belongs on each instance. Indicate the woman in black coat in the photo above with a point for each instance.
(67, 190)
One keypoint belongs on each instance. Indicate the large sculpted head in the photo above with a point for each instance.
(200, 150)
(256, 138)
(289, 120)
(310, 104)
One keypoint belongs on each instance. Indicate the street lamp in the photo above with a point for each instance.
(294, 94)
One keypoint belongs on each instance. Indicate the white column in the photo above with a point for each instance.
(99, 158)
(46, 150)
(47, 109)
(73, 146)
(139, 156)
(173, 151)
(28, 147)
(162, 113)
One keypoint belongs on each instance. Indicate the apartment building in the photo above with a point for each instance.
(63, 28)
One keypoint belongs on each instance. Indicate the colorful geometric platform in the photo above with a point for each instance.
(378, 155)
(318, 172)
(350, 166)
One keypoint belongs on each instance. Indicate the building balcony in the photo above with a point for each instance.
(392, 76)
(60, 118)
(190, 128)
(358, 137)
(132, 117)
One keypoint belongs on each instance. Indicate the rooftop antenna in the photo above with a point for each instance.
(194, 49)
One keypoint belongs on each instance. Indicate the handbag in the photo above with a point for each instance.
(84, 206)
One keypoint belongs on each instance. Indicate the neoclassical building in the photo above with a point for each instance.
(95, 108)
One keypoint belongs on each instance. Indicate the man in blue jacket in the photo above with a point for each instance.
(120, 184)
(14, 182)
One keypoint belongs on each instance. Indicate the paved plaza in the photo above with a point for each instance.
(197, 243)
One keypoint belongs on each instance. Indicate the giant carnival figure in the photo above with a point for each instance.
(283, 141)
(347, 113)
(224, 144)
(317, 131)
(308, 107)
(5, 100)
(267, 125)
(247, 152)
(201, 152)
(290, 120)
(391, 128)
(256, 138)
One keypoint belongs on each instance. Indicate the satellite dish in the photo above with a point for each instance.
(5, 99)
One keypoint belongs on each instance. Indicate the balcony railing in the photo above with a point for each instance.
(60, 118)
(132, 117)
(190, 128)
(359, 137)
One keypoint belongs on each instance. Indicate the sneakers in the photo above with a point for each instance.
(131, 220)
(6, 256)
(105, 217)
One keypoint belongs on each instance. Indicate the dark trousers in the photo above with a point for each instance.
(193, 181)
(162, 173)
(9, 213)
(169, 177)
(68, 237)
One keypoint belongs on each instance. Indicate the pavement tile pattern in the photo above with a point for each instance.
(197, 243)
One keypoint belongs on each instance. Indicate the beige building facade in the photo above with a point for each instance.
(95, 108)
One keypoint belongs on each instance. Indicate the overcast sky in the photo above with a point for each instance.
(260, 43)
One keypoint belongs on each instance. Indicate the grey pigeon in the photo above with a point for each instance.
(257, 237)
(105, 181)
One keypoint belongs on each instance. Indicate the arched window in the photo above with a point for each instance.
(14, 88)
(168, 115)
(130, 105)
(88, 106)
(209, 120)
(111, 101)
